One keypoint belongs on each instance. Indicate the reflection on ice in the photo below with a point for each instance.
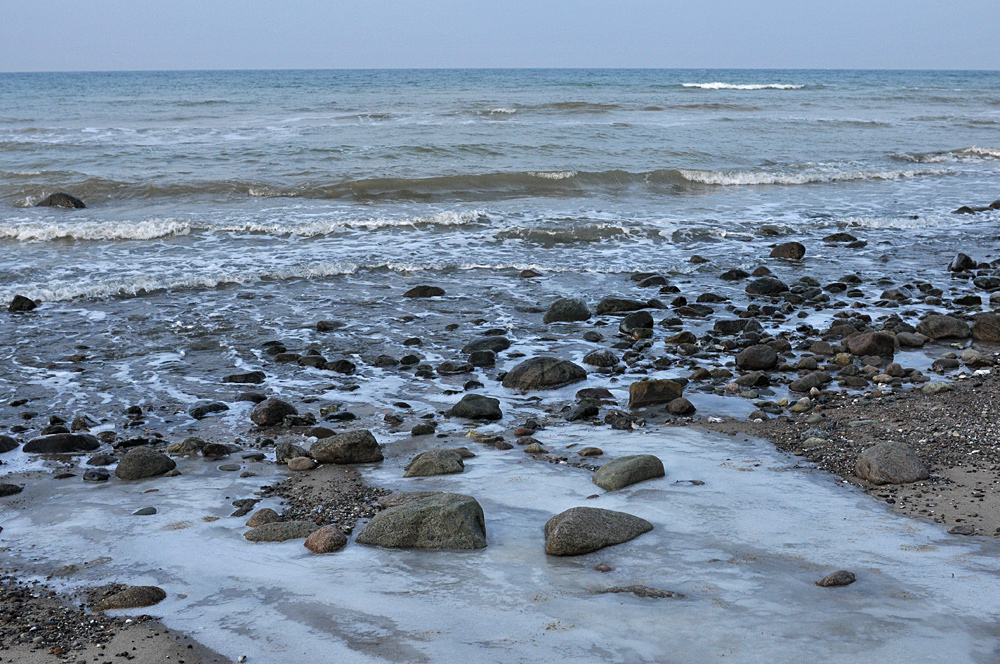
(745, 547)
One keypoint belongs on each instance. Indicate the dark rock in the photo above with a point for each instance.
(252, 377)
(328, 325)
(345, 367)
(567, 310)
(581, 530)
(141, 462)
(625, 471)
(476, 407)
(96, 475)
(10, 490)
(314, 361)
(936, 326)
(423, 429)
(435, 462)
(449, 368)
(681, 407)
(351, 447)
(285, 452)
(641, 591)
(639, 320)
(132, 597)
(543, 373)
(326, 540)
(435, 521)
(734, 326)
(101, 460)
(987, 328)
(766, 286)
(262, 516)
(483, 358)
(602, 358)
(872, 343)
(595, 394)
(7, 444)
(281, 531)
(757, 358)
(734, 275)
(252, 397)
(143, 511)
(840, 237)
(789, 250)
(424, 291)
(215, 450)
(890, 463)
(22, 303)
(961, 263)
(62, 443)
(584, 411)
(653, 391)
(61, 200)
(619, 305)
(495, 344)
(836, 579)
(205, 409)
(271, 412)
(621, 421)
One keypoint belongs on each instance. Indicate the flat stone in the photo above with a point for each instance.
(280, 531)
(581, 530)
(133, 597)
(625, 471)
(837, 579)
(435, 521)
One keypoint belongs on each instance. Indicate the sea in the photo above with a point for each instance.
(229, 212)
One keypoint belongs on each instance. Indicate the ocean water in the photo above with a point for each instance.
(227, 210)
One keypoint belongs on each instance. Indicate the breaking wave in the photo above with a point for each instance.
(743, 86)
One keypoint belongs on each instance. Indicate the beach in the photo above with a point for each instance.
(462, 372)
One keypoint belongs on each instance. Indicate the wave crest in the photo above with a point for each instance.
(743, 86)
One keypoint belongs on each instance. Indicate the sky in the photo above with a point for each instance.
(92, 35)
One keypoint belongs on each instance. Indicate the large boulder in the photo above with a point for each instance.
(872, 343)
(987, 328)
(61, 200)
(543, 373)
(350, 447)
(435, 462)
(280, 531)
(271, 412)
(961, 263)
(653, 391)
(890, 463)
(625, 471)
(62, 443)
(476, 407)
(789, 250)
(140, 462)
(937, 326)
(22, 303)
(435, 521)
(637, 320)
(567, 310)
(619, 305)
(757, 358)
(581, 530)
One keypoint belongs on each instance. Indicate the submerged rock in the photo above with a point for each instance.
(62, 443)
(839, 578)
(581, 530)
(641, 591)
(435, 521)
(789, 250)
(625, 471)
(567, 310)
(22, 303)
(62, 200)
(142, 462)
(280, 531)
(424, 291)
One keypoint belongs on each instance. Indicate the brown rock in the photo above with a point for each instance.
(326, 540)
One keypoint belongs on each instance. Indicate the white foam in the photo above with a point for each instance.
(95, 230)
(745, 178)
(553, 175)
(743, 86)
(973, 152)
(503, 111)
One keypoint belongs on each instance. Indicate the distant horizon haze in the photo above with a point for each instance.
(114, 35)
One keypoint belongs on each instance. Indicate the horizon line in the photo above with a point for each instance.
(526, 69)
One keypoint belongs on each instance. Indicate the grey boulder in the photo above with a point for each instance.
(543, 373)
(567, 310)
(350, 447)
(271, 412)
(890, 463)
(937, 326)
(435, 521)
(581, 530)
(279, 531)
(141, 462)
(435, 462)
(625, 471)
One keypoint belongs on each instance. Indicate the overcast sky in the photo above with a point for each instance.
(46, 35)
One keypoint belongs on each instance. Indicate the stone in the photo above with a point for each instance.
(910, 340)
(476, 407)
(937, 326)
(641, 591)
(326, 540)
(10, 490)
(96, 475)
(62, 200)
(653, 391)
(872, 343)
(285, 452)
(424, 291)
(262, 516)
(766, 286)
(329, 325)
(280, 531)
(625, 471)
(734, 326)
(271, 412)
(345, 367)
(757, 358)
(962, 529)
(789, 250)
(619, 305)
(581, 530)
(301, 464)
(423, 429)
(144, 511)
(7, 444)
(495, 344)
(734, 275)
(543, 373)
(252, 397)
(986, 328)
(681, 407)
(215, 450)
(20, 303)
(602, 358)
(203, 410)
(567, 310)
(435, 462)
(836, 579)
(102, 460)
(435, 521)
(890, 463)
(62, 443)
(483, 358)
(132, 597)
(351, 447)
(638, 320)
(962, 263)
(142, 462)
(590, 451)
(249, 378)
